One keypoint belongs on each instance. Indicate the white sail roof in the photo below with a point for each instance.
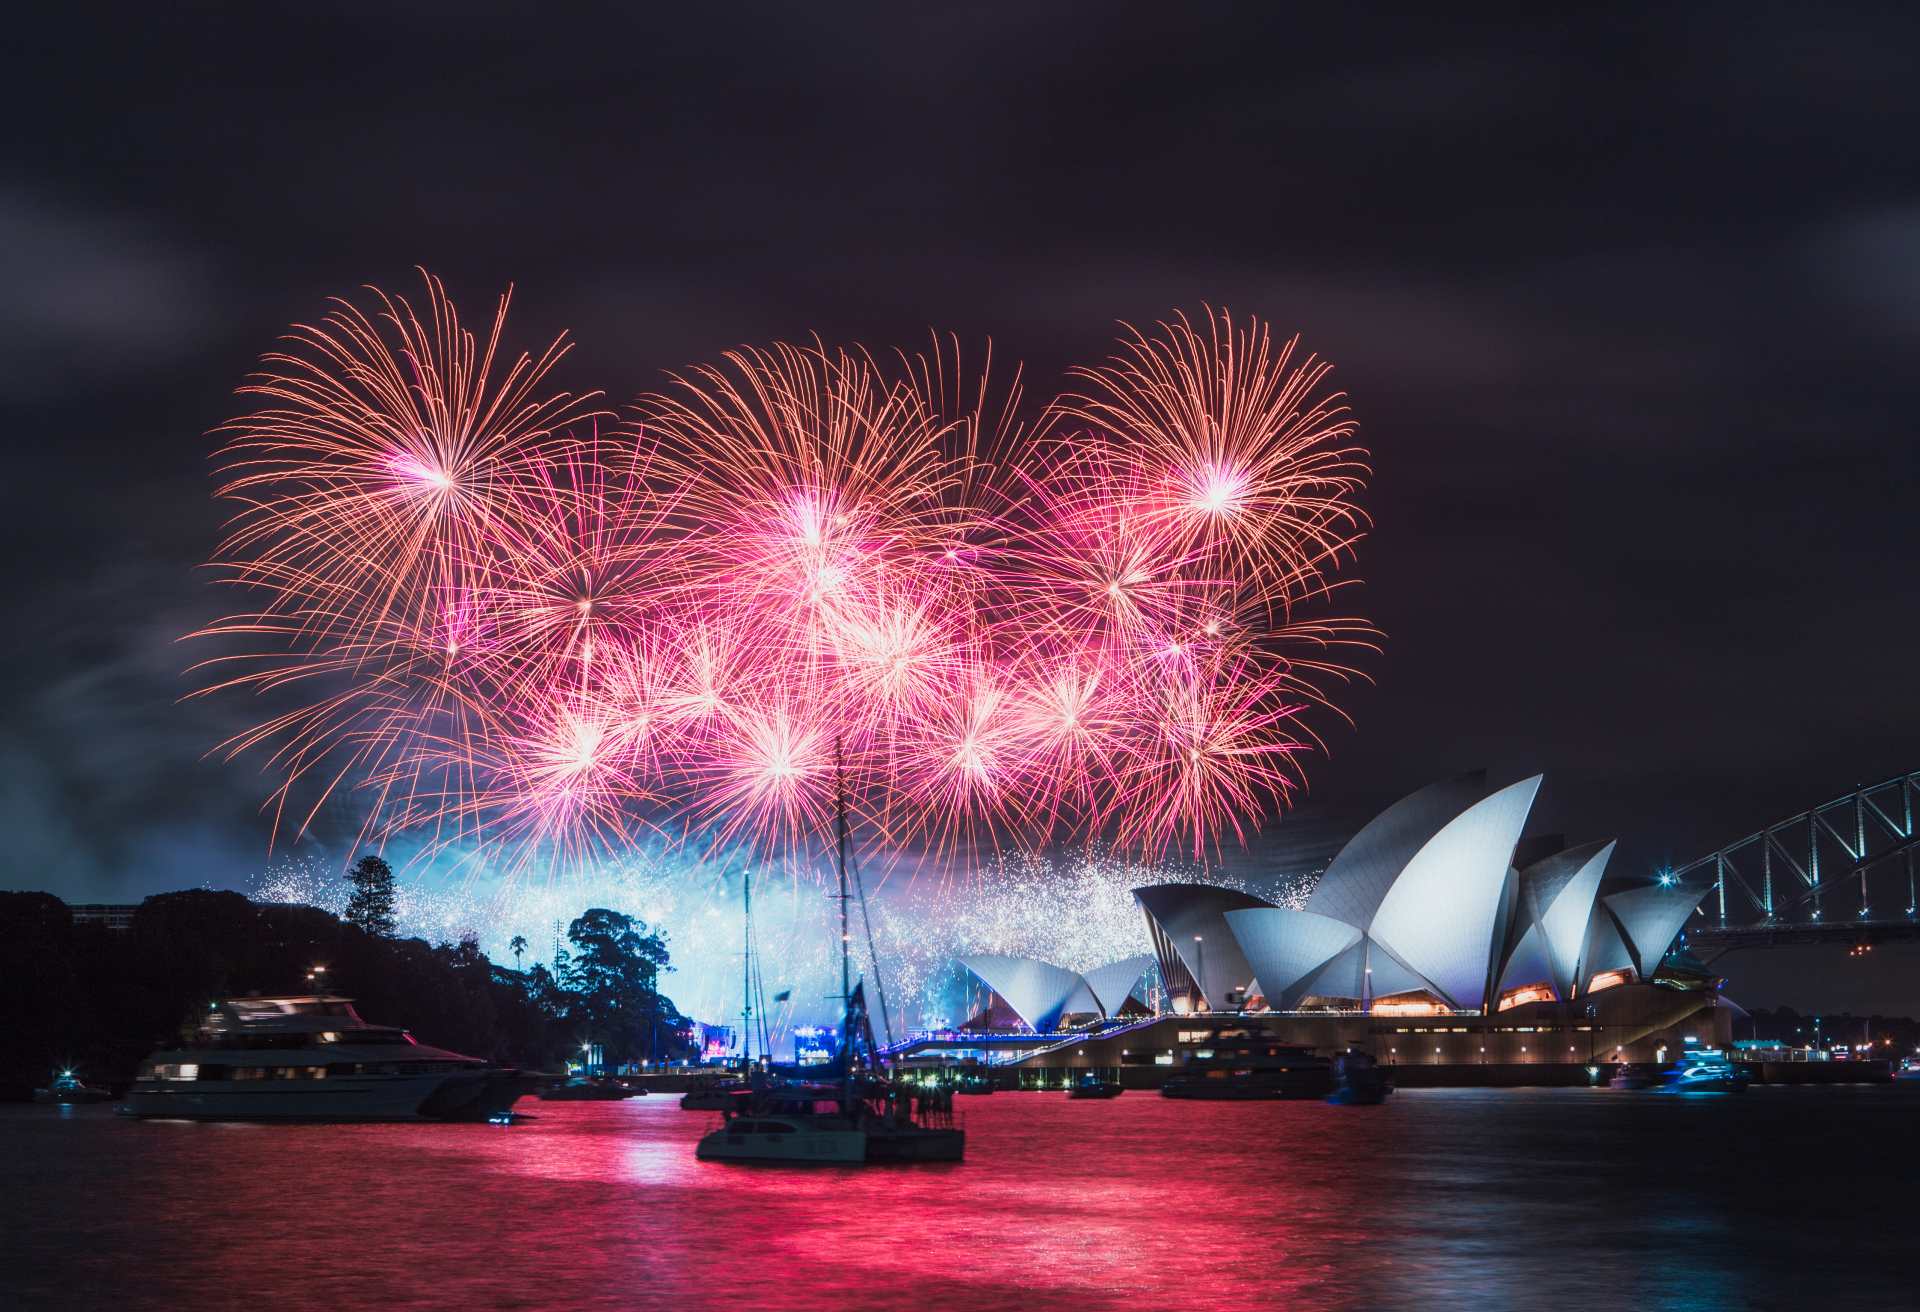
(1652, 917)
(1387, 976)
(1183, 912)
(1605, 950)
(1113, 983)
(1037, 991)
(1562, 890)
(1343, 977)
(1440, 915)
(1359, 878)
(1286, 947)
(1528, 964)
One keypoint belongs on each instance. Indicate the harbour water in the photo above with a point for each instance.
(1778, 1198)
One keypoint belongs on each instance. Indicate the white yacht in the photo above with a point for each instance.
(313, 1058)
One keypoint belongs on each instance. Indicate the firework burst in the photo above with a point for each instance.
(795, 576)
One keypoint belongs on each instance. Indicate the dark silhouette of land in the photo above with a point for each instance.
(99, 999)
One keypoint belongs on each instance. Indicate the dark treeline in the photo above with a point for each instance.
(99, 1000)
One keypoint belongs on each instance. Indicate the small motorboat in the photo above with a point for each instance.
(67, 1088)
(1704, 1071)
(1908, 1071)
(1092, 1086)
(1359, 1081)
(713, 1095)
(1634, 1075)
(582, 1088)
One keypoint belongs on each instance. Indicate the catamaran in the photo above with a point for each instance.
(861, 1115)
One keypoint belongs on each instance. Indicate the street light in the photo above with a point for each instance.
(1200, 985)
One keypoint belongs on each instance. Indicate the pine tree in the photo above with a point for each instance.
(371, 906)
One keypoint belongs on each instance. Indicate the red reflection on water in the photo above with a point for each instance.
(1138, 1203)
(1454, 1199)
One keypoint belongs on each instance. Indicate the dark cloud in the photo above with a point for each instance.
(1625, 303)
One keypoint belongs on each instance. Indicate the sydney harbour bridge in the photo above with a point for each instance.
(1840, 872)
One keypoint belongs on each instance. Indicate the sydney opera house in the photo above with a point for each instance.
(1439, 936)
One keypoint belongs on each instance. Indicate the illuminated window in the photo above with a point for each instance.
(1608, 979)
(1418, 1003)
(1526, 993)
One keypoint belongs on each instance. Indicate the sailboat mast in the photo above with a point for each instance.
(846, 982)
(746, 969)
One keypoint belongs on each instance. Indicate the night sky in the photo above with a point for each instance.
(1627, 309)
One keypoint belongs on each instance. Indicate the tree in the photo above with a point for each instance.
(518, 946)
(371, 906)
(614, 975)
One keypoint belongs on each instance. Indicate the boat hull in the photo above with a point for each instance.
(440, 1097)
(812, 1148)
(1314, 1085)
(1715, 1084)
(1360, 1093)
(916, 1144)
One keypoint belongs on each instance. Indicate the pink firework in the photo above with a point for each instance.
(790, 578)
(1237, 444)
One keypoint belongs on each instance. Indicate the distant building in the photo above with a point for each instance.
(111, 916)
(815, 1045)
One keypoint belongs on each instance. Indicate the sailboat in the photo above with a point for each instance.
(711, 1094)
(857, 1117)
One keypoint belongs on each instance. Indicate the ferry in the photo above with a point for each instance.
(1250, 1068)
(313, 1058)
